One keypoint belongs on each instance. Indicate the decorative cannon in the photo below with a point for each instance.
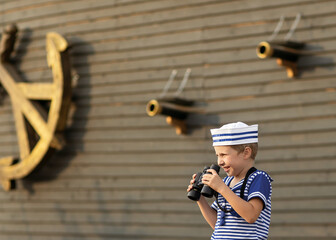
(287, 54)
(175, 109)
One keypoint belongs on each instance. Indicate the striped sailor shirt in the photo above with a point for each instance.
(230, 225)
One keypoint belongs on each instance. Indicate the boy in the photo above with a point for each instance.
(235, 216)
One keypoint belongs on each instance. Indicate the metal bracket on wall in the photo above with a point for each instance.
(40, 109)
(287, 52)
(175, 109)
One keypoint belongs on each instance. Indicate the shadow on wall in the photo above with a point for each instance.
(198, 121)
(310, 62)
(58, 161)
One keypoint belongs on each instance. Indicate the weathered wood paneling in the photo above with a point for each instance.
(123, 175)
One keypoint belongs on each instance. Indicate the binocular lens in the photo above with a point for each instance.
(194, 195)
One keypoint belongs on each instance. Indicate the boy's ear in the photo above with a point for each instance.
(247, 152)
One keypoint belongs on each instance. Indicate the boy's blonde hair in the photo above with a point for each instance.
(241, 148)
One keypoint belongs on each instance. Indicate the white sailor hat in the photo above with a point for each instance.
(234, 134)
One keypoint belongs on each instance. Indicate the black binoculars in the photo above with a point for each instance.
(199, 188)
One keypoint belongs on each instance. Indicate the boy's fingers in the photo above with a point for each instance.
(193, 179)
(191, 182)
(213, 171)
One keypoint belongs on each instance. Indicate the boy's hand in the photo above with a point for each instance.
(191, 182)
(213, 180)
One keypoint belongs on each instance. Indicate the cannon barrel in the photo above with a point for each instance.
(176, 108)
(288, 51)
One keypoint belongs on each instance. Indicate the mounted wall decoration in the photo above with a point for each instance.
(175, 108)
(40, 109)
(287, 52)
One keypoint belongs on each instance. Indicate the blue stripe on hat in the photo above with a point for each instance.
(233, 134)
(234, 139)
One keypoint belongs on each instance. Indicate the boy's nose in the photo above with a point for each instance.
(220, 162)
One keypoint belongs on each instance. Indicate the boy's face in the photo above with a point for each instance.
(230, 160)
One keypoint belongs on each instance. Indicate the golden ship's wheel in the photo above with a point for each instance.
(39, 128)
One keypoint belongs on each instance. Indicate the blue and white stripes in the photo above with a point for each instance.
(234, 134)
(235, 227)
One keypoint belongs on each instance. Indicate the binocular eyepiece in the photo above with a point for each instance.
(199, 188)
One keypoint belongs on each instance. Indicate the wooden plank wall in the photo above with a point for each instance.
(123, 175)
